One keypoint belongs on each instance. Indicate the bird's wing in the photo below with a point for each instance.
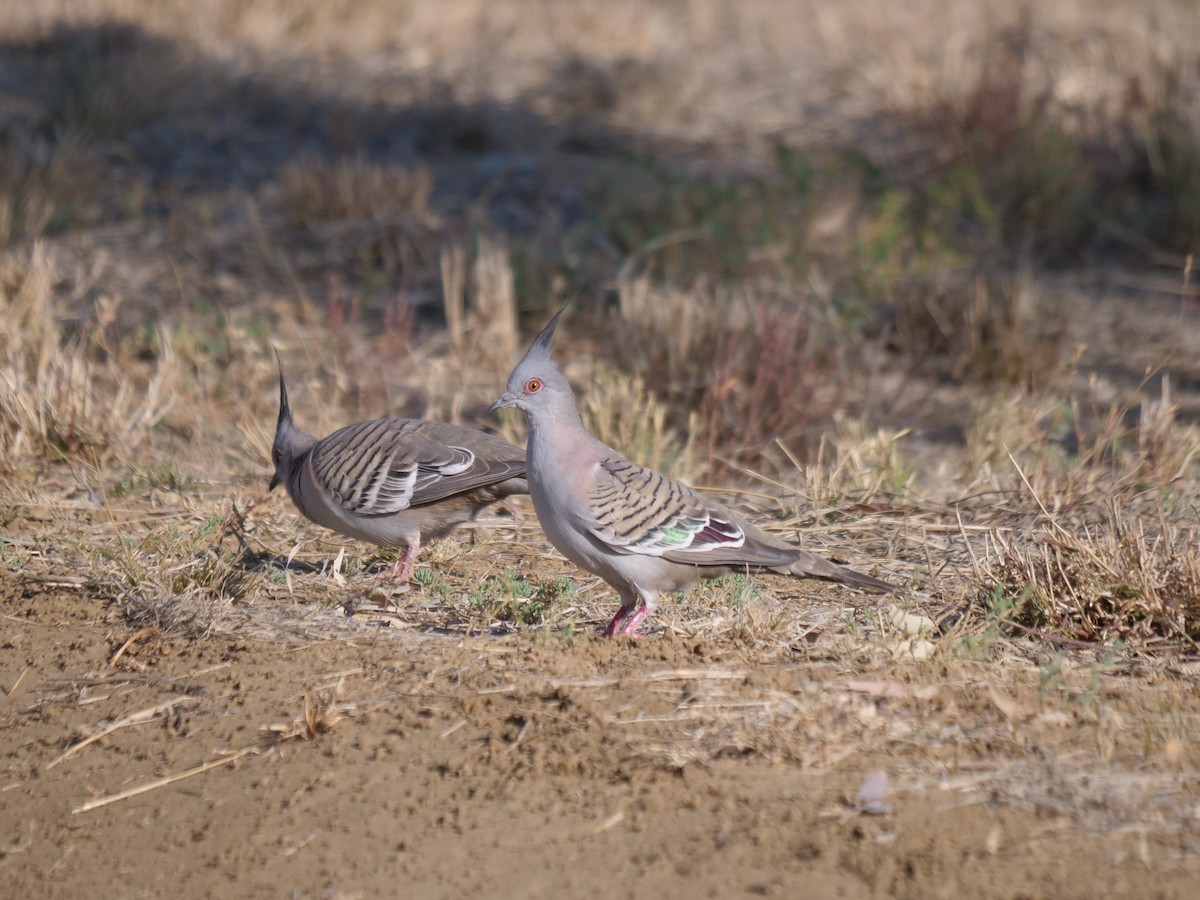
(635, 510)
(381, 467)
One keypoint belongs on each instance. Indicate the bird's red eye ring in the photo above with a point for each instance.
(533, 385)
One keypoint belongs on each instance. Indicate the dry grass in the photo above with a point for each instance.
(1126, 579)
(44, 184)
(746, 365)
(794, 263)
(622, 412)
(72, 396)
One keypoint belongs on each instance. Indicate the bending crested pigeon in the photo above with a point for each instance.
(393, 481)
(640, 531)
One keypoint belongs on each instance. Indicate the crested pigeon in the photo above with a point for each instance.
(393, 481)
(640, 531)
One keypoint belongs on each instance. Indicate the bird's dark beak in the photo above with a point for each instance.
(275, 482)
(506, 399)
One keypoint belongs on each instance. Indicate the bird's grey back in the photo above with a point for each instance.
(427, 461)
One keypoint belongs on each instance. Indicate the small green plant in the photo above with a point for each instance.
(998, 605)
(730, 591)
(508, 598)
(161, 476)
(210, 526)
(555, 589)
(1052, 679)
(426, 577)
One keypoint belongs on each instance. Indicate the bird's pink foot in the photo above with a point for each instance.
(634, 622)
(403, 568)
(626, 622)
(614, 627)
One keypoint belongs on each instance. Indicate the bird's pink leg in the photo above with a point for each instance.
(614, 627)
(635, 621)
(403, 569)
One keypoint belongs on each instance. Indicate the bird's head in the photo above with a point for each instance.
(536, 386)
(290, 442)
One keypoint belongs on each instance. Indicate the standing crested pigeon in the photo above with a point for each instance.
(638, 530)
(393, 481)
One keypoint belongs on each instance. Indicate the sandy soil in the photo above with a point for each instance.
(397, 763)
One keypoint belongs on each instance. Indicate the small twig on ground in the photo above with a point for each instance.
(163, 782)
(307, 725)
(145, 677)
(148, 631)
(140, 717)
(16, 684)
(1054, 638)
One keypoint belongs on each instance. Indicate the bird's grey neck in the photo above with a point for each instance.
(555, 433)
(294, 470)
(558, 416)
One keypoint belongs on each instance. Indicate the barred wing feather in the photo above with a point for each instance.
(636, 510)
(381, 467)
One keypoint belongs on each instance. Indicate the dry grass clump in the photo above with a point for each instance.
(1166, 448)
(1069, 449)
(670, 335)
(1094, 519)
(367, 220)
(986, 326)
(1021, 147)
(485, 332)
(316, 190)
(868, 465)
(109, 79)
(767, 383)
(179, 578)
(46, 185)
(1130, 580)
(1037, 131)
(622, 412)
(749, 365)
(67, 395)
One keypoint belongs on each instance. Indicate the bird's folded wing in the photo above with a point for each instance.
(635, 510)
(384, 466)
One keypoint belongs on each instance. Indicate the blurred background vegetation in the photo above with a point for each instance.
(951, 191)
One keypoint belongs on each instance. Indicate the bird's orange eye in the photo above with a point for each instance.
(533, 385)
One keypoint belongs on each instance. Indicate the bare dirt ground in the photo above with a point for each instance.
(370, 757)
(912, 283)
(433, 766)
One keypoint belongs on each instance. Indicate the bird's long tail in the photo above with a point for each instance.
(511, 487)
(812, 566)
